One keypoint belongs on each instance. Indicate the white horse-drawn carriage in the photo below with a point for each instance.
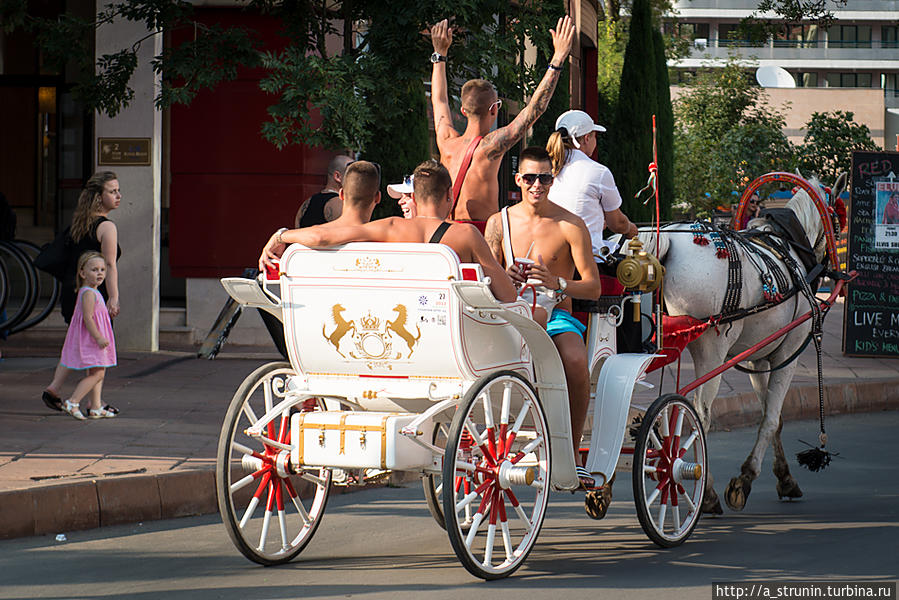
(402, 360)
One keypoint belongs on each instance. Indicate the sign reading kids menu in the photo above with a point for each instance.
(871, 309)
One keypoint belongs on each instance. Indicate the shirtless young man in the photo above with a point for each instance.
(479, 196)
(561, 244)
(433, 197)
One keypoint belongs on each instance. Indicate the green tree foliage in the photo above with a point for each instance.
(629, 149)
(354, 91)
(829, 141)
(725, 136)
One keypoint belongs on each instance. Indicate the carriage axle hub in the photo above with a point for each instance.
(686, 471)
(508, 475)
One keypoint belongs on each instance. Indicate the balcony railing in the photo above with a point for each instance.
(797, 49)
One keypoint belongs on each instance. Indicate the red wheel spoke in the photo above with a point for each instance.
(270, 501)
(285, 428)
(279, 495)
(502, 505)
(485, 499)
(494, 508)
(262, 485)
(458, 483)
(514, 460)
(503, 446)
(290, 489)
(491, 441)
(512, 499)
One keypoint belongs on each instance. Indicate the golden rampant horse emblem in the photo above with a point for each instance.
(372, 336)
(342, 327)
(398, 326)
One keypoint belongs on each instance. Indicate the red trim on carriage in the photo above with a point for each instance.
(677, 332)
(813, 193)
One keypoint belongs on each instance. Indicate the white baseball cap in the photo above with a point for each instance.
(396, 190)
(578, 123)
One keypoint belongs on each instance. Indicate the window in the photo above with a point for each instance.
(806, 79)
(849, 80)
(890, 84)
(849, 36)
(797, 36)
(729, 34)
(889, 36)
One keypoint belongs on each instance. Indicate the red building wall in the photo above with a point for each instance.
(230, 188)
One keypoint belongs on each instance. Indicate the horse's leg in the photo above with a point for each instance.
(739, 487)
(708, 352)
(786, 485)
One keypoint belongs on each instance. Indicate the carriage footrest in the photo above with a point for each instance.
(358, 440)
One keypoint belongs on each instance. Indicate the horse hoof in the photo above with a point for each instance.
(596, 502)
(788, 489)
(712, 506)
(737, 492)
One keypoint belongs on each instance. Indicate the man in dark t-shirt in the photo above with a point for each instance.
(325, 206)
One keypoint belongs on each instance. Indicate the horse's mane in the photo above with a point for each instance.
(647, 237)
(804, 208)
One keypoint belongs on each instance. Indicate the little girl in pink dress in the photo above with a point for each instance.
(89, 345)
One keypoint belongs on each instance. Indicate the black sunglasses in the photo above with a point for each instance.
(530, 178)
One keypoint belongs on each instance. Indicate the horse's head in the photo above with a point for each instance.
(807, 213)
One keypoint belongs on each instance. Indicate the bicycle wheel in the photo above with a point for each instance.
(47, 290)
(4, 291)
(21, 285)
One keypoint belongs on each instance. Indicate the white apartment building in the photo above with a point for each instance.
(851, 65)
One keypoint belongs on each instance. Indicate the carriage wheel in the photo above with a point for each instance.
(433, 484)
(669, 470)
(270, 512)
(499, 440)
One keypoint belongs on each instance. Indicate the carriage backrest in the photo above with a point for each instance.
(387, 310)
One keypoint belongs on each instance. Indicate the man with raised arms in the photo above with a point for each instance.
(479, 196)
(433, 198)
(559, 241)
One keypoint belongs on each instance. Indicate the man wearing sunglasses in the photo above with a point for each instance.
(476, 190)
(554, 242)
(433, 199)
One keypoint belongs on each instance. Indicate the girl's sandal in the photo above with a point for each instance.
(107, 412)
(73, 409)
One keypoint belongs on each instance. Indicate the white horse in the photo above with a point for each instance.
(695, 284)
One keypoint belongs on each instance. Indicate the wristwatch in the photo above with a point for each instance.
(562, 285)
(437, 57)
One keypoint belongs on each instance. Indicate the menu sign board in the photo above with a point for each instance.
(871, 315)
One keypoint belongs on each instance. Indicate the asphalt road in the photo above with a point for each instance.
(383, 544)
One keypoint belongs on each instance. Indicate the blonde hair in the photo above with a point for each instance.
(85, 258)
(559, 147)
(89, 204)
(477, 97)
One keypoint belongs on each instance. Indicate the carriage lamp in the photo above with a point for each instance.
(640, 270)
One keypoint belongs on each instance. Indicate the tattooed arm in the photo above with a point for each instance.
(493, 233)
(441, 37)
(498, 142)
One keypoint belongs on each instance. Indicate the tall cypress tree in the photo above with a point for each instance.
(630, 150)
(665, 127)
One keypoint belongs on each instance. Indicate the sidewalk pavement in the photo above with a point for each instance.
(156, 460)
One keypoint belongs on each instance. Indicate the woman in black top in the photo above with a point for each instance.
(90, 230)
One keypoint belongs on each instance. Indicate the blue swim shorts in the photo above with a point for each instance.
(562, 321)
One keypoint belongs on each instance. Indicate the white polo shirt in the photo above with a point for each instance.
(587, 189)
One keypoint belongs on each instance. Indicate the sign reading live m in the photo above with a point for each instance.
(123, 151)
(871, 310)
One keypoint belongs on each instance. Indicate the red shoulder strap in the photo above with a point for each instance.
(463, 170)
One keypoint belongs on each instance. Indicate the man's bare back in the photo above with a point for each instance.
(479, 196)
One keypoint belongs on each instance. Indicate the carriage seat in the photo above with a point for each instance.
(378, 311)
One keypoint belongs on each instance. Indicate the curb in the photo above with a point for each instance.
(102, 502)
